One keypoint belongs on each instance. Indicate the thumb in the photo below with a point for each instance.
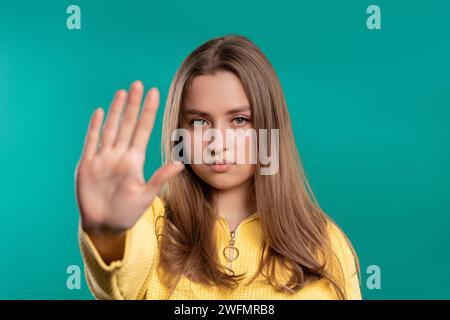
(161, 176)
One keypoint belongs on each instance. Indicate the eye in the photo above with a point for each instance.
(240, 121)
(198, 122)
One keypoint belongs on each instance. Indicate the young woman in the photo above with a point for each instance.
(210, 230)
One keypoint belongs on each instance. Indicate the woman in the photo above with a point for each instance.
(209, 230)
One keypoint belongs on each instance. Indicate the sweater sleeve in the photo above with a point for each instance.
(126, 278)
(347, 260)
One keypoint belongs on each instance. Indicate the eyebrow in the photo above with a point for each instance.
(234, 110)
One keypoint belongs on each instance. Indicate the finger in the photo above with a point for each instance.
(92, 135)
(112, 122)
(131, 112)
(161, 176)
(145, 125)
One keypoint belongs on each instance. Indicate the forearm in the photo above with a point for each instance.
(117, 267)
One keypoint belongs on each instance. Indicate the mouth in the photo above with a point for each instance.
(220, 166)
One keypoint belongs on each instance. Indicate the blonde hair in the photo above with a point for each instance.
(293, 224)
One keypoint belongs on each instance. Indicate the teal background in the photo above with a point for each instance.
(370, 111)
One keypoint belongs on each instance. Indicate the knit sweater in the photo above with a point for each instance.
(135, 276)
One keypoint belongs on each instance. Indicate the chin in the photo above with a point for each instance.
(220, 184)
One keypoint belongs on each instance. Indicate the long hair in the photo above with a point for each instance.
(293, 224)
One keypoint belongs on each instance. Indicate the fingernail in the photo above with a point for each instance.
(137, 83)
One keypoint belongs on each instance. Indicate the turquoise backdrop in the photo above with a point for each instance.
(370, 108)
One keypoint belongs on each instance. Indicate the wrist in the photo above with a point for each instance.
(102, 230)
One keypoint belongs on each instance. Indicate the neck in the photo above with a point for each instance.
(233, 204)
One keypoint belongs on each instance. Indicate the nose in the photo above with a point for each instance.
(217, 145)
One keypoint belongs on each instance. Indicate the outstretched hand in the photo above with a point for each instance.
(111, 189)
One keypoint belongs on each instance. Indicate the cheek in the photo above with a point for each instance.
(189, 147)
(245, 150)
(246, 170)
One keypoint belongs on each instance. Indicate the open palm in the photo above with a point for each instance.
(111, 189)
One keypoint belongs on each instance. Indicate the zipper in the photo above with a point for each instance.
(230, 252)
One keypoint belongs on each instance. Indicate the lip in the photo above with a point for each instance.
(220, 167)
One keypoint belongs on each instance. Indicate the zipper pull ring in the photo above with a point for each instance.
(231, 252)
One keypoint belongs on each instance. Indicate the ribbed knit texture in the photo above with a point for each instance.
(135, 276)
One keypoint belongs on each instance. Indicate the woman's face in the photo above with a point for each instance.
(218, 102)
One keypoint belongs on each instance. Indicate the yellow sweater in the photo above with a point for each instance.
(135, 276)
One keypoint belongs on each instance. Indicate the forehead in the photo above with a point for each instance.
(215, 93)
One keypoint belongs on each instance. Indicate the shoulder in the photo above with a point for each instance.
(342, 249)
(344, 264)
(155, 209)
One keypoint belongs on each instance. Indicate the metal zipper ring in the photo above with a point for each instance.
(234, 257)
